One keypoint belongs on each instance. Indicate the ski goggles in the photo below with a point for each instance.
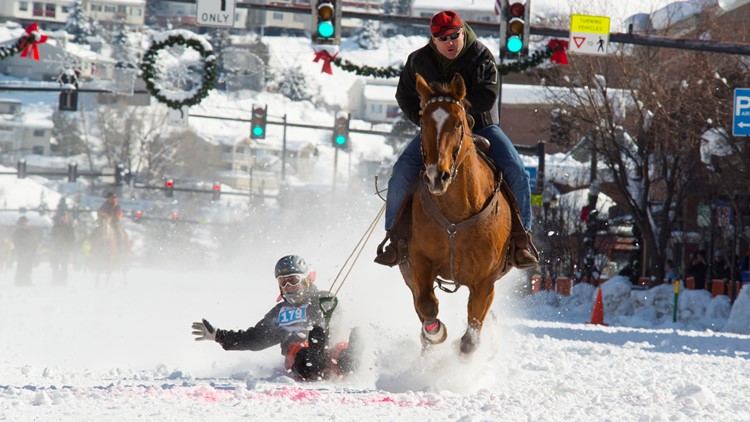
(451, 36)
(290, 280)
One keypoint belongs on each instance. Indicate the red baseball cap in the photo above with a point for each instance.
(445, 23)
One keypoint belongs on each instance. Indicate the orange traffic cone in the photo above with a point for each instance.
(597, 315)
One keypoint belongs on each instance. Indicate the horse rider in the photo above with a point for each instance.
(297, 317)
(111, 208)
(454, 48)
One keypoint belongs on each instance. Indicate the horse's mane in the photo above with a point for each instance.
(443, 88)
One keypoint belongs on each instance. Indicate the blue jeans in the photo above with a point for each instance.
(409, 164)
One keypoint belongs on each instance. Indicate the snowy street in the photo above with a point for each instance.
(124, 352)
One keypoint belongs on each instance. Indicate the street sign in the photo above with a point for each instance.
(589, 35)
(178, 118)
(741, 114)
(704, 216)
(531, 171)
(215, 13)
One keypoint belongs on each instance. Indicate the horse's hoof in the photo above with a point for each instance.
(469, 341)
(433, 336)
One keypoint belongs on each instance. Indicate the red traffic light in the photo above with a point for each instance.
(174, 216)
(217, 187)
(169, 183)
(138, 214)
(516, 10)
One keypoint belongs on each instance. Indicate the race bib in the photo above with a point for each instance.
(293, 316)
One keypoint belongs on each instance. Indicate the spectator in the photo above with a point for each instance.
(697, 269)
(670, 272)
(719, 267)
(63, 240)
(25, 244)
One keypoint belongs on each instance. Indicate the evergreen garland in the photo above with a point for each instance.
(537, 58)
(16, 48)
(148, 68)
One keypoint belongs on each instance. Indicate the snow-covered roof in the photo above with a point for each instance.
(385, 93)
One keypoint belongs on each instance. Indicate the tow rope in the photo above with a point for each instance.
(328, 304)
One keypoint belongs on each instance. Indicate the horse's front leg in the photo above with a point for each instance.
(480, 300)
(421, 282)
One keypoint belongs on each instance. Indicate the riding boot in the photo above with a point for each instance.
(524, 254)
(396, 251)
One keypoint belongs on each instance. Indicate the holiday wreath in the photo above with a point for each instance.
(155, 80)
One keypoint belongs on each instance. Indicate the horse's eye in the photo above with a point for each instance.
(458, 124)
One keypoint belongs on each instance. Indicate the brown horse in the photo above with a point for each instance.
(109, 246)
(460, 221)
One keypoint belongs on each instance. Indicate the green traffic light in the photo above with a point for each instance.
(341, 140)
(258, 131)
(514, 44)
(325, 29)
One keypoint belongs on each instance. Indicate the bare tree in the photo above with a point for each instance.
(645, 132)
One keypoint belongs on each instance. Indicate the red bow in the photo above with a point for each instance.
(327, 57)
(30, 40)
(558, 47)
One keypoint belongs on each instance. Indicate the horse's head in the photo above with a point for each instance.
(444, 129)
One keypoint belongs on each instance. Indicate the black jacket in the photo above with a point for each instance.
(284, 324)
(475, 64)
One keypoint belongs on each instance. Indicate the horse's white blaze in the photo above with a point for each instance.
(439, 116)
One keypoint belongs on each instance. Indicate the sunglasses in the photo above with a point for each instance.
(289, 280)
(452, 37)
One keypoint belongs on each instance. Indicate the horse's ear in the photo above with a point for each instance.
(423, 89)
(458, 87)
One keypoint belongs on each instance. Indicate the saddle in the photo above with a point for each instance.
(400, 234)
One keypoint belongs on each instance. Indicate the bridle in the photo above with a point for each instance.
(449, 100)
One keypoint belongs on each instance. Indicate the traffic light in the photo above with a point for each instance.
(326, 21)
(137, 216)
(21, 169)
(341, 131)
(72, 171)
(258, 121)
(514, 27)
(68, 101)
(169, 188)
(216, 195)
(120, 174)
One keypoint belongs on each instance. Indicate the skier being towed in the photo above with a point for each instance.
(297, 324)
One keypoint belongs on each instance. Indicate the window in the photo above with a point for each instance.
(38, 9)
(227, 149)
(4, 128)
(109, 8)
(392, 112)
(376, 108)
(38, 133)
(96, 8)
(278, 16)
(49, 10)
(135, 11)
(23, 6)
(240, 150)
(37, 150)
(122, 9)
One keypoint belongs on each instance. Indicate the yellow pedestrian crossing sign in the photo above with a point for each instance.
(589, 35)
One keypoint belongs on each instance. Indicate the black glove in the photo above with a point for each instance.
(204, 331)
